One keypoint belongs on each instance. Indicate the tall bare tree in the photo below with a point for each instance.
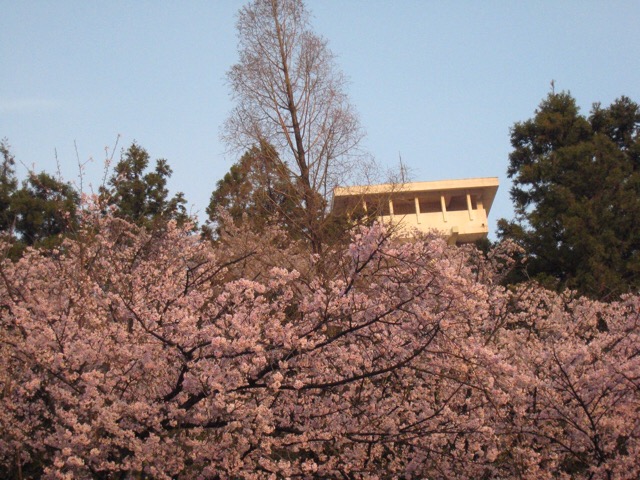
(290, 94)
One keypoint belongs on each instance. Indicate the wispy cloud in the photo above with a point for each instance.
(28, 105)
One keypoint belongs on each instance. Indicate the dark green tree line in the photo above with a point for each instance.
(38, 212)
(576, 191)
(43, 209)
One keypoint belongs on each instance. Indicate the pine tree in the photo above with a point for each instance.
(140, 196)
(8, 186)
(44, 210)
(256, 190)
(577, 195)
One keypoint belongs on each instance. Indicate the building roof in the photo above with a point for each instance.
(487, 186)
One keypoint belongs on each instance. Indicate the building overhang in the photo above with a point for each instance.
(486, 187)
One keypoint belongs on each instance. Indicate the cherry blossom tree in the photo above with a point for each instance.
(137, 353)
(576, 407)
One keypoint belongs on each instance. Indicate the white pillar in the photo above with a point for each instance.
(481, 212)
(443, 205)
(469, 206)
(417, 209)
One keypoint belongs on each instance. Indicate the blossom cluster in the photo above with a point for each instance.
(156, 354)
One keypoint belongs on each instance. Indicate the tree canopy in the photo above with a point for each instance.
(39, 211)
(140, 196)
(137, 353)
(290, 94)
(256, 190)
(8, 186)
(576, 191)
(44, 209)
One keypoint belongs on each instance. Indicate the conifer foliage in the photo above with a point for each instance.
(141, 196)
(39, 211)
(255, 189)
(577, 195)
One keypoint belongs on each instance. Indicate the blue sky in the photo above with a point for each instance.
(439, 83)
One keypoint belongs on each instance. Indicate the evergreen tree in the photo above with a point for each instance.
(44, 209)
(8, 186)
(39, 213)
(142, 197)
(576, 193)
(256, 189)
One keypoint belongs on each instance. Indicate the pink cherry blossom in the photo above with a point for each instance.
(156, 354)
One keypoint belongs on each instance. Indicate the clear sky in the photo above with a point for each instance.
(438, 82)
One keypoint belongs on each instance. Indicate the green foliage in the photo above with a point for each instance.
(39, 213)
(255, 190)
(8, 186)
(142, 197)
(258, 190)
(577, 196)
(44, 210)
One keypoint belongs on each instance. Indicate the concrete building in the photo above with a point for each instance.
(456, 208)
